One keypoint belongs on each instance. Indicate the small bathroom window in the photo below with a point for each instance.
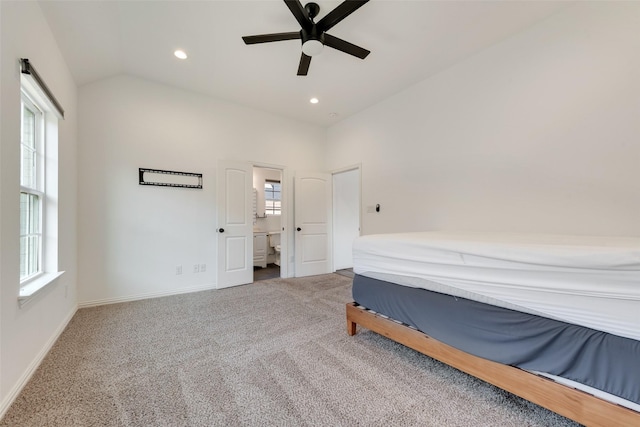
(272, 197)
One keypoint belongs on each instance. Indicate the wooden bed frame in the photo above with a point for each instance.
(569, 402)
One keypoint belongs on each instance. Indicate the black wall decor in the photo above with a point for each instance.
(164, 178)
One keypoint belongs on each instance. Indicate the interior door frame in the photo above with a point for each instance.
(285, 245)
(358, 167)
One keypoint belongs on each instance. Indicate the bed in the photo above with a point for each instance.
(553, 319)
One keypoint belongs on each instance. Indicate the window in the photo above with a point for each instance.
(272, 197)
(39, 115)
(31, 189)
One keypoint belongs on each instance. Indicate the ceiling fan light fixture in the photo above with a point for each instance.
(312, 47)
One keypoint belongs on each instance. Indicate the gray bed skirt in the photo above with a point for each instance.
(598, 359)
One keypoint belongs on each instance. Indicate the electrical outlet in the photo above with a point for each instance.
(179, 269)
(196, 268)
(203, 268)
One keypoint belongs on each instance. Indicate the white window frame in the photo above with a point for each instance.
(38, 187)
(46, 188)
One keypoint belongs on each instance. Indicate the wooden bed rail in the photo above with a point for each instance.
(566, 401)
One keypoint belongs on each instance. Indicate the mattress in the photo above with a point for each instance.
(587, 281)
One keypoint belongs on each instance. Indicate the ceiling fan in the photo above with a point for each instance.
(312, 34)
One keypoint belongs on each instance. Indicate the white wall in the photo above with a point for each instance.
(538, 133)
(132, 237)
(28, 332)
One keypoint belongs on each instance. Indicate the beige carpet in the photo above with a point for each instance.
(271, 353)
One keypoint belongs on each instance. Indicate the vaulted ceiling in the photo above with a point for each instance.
(409, 41)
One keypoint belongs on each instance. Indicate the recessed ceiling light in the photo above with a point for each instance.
(180, 54)
(314, 100)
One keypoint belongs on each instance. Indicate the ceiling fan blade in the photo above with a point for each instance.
(300, 13)
(343, 10)
(303, 68)
(345, 46)
(275, 37)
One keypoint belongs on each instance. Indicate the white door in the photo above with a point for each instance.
(346, 216)
(312, 202)
(235, 225)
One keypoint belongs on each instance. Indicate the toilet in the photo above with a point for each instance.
(274, 242)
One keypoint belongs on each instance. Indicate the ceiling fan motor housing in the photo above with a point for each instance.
(312, 9)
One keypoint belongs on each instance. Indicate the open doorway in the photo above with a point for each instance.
(346, 217)
(267, 223)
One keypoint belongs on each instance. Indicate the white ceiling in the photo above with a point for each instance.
(409, 41)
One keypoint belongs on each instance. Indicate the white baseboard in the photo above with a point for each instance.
(230, 286)
(31, 369)
(148, 295)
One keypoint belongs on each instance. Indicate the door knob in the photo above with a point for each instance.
(299, 229)
(221, 230)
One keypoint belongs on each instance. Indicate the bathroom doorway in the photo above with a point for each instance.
(267, 222)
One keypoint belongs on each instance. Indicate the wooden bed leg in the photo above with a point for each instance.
(351, 325)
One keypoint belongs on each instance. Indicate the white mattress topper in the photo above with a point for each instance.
(589, 281)
(536, 249)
